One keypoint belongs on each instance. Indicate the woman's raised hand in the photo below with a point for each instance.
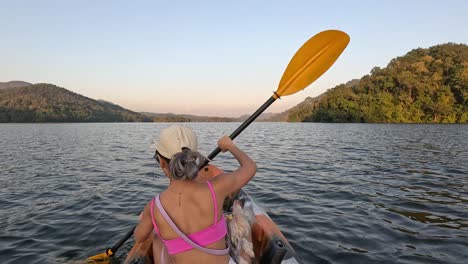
(225, 143)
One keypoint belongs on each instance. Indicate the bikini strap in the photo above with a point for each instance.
(215, 203)
(218, 252)
(152, 216)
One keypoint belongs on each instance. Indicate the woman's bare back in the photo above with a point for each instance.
(190, 206)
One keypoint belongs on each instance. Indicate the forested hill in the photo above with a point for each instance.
(49, 103)
(423, 86)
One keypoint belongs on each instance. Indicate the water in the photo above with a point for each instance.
(341, 193)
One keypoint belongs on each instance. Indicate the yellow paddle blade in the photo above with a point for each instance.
(100, 258)
(312, 60)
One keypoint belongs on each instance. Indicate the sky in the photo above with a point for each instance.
(217, 58)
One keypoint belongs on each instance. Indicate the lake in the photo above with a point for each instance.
(341, 193)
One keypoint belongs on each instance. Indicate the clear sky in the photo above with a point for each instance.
(220, 58)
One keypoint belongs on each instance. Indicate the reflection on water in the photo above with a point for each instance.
(357, 250)
(425, 217)
(341, 193)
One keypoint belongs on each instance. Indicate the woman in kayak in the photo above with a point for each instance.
(187, 217)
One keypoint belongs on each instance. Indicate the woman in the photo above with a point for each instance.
(198, 230)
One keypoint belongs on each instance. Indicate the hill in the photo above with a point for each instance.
(264, 117)
(49, 103)
(424, 86)
(13, 84)
(170, 117)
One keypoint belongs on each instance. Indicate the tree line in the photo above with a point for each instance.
(424, 86)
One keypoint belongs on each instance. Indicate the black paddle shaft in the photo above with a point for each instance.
(121, 241)
(242, 127)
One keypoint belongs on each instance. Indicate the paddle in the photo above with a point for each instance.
(313, 59)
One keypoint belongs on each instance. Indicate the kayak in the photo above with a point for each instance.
(253, 237)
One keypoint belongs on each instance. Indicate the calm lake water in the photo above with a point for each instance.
(341, 193)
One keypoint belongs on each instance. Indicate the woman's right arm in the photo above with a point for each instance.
(230, 182)
(145, 226)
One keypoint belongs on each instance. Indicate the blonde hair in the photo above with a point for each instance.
(185, 165)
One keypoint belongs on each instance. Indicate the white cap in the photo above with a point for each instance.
(172, 139)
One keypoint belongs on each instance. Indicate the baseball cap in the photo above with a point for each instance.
(172, 139)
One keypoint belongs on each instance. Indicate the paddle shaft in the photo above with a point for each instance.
(121, 241)
(242, 127)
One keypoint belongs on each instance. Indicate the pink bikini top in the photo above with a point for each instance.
(195, 240)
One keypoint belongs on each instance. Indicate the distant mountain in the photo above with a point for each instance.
(13, 84)
(105, 102)
(277, 117)
(264, 117)
(170, 117)
(49, 103)
(424, 86)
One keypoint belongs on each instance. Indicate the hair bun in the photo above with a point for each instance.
(184, 165)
